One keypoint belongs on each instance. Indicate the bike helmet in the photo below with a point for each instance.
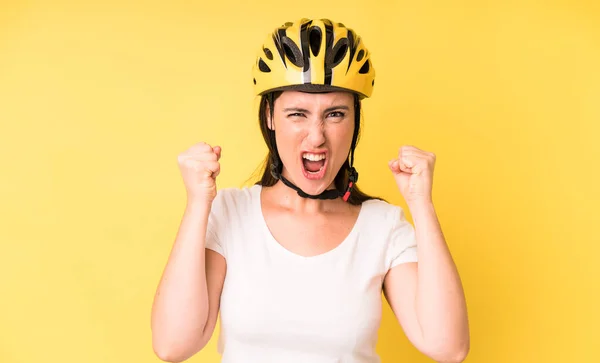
(314, 56)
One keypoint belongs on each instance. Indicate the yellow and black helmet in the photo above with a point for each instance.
(314, 55)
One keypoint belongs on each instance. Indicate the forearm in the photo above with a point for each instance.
(440, 303)
(180, 309)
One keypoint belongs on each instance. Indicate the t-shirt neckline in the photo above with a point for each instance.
(271, 240)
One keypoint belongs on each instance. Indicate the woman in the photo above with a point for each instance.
(296, 264)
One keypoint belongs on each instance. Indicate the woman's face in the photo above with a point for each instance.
(314, 134)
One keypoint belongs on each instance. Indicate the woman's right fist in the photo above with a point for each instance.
(199, 166)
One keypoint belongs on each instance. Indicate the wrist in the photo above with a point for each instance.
(420, 204)
(198, 204)
(421, 210)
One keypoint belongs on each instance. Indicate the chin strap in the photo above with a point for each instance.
(328, 194)
(352, 179)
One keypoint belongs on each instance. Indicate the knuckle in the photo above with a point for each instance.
(214, 165)
(192, 164)
(201, 146)
(406, 149)
(182, 159)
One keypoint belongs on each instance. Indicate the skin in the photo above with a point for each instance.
(313, 122)
(310, 122)
(426, 297)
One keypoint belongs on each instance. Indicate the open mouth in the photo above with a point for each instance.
(314, 165)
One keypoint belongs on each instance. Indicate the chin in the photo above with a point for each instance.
(314, 185)
(313, 188)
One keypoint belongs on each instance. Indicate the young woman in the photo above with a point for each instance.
(296, 264)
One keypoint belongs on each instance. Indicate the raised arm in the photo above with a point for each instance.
(427, 297)
(186, 303)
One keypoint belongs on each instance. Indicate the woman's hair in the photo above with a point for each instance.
(357, 197)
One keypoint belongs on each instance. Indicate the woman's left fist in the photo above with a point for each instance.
(413, 171)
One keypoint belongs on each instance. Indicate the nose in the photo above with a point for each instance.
(316, 133)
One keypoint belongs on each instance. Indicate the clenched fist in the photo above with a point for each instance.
(413, 171)
(199, 166)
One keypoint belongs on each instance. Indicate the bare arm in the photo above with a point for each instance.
(428, 297)
(186, 303)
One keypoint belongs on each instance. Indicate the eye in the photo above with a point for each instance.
(296, 114)
(336, 114)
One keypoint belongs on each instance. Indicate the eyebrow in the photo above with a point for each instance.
(299, 109)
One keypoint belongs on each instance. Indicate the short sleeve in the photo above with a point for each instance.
(402, 244)
(214, 230)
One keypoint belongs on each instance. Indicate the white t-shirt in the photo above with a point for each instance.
(277, 306)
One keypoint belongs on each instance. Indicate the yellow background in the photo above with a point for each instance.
(98, 98)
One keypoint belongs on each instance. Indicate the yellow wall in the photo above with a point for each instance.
(98, 98)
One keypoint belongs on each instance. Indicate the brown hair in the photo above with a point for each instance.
(357, 197)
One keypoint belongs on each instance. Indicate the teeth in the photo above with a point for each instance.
(313, 157)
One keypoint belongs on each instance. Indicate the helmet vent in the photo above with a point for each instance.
(365, 68)
(268, 53)
(263, 66)
(315, 40)
(292, 52)
(359, 56)
(338, 52)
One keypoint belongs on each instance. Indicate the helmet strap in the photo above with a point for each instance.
(327, 194)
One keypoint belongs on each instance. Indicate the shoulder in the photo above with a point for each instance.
(395, 234)
(231, 200)
(237, 195)
(231, 207)
(386, 234)
(383, 212)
